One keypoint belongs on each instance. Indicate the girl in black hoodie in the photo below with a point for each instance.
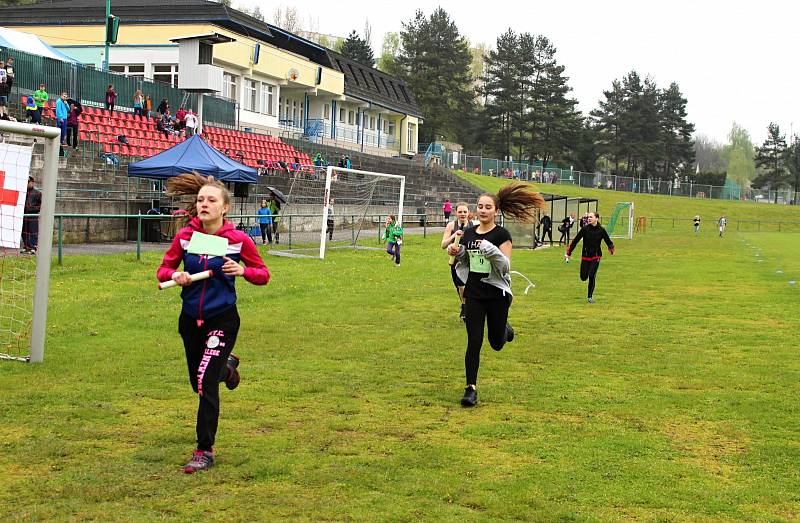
(591, 234)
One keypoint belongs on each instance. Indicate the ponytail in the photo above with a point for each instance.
(189, 184)
(516, 201)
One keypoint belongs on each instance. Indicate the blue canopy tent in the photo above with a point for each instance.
(195, 155)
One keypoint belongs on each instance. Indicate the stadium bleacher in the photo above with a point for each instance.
(144, 140)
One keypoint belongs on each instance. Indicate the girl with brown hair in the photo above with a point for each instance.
(484, 263)
(209, 320)
(453, 230)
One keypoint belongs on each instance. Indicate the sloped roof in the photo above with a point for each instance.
(369, 84)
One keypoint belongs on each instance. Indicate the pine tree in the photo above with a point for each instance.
(358, 49)
(676, 132)
(772, 157)
(503, 89)
(435, 62)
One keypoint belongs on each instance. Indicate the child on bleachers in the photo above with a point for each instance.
(111, 97)
(31, 111)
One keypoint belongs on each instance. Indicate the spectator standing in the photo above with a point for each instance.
(5, 88)
(447, 209)
(347, 164)
(10, 67)
(163, 107)
(265, 222)
(62, 112)
(547, 229)
(191, 122)
(275, 207)
(138, 103)
(30, 224)
(111, 97)
(148, 106)
(40, 97)
(75, 110)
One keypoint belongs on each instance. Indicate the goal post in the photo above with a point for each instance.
(621, 223)
(49, 183)
(327, 198)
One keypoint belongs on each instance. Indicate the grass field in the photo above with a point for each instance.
(674, 398)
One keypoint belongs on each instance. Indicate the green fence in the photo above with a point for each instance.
(90, 85)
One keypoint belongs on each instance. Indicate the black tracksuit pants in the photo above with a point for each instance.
(495, 314)
(589, 271)
(207, 349)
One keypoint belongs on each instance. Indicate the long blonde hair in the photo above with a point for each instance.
(189, 184)
(517, 201)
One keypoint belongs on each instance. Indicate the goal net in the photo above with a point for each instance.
(620, 225)
(26, 231)
(338, 208)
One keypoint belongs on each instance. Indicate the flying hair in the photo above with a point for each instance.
(516, 201)
(189, 184)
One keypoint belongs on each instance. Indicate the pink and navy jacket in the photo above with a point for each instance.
(210, 297)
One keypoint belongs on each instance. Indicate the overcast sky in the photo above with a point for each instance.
(732, 60)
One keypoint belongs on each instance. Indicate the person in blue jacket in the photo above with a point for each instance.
(265, 222)
(62, 112)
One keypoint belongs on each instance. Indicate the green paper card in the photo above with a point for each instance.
(208, 244)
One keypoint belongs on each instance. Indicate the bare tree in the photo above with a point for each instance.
(368, 33)
(287, 19)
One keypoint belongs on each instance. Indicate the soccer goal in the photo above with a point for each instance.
(25, 276)
(345, 208)
(621, 223)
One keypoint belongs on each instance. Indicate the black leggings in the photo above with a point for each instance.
(495, 314)
(207, 349)
(589, 271)
(547, 232)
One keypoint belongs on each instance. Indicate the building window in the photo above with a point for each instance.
(351, 117)
(390, 128)
(326, 112)
(268, 99)
(206, 53)
(294, 112)
(249, 95)
(372, 123)
(167, 74)
(342, 114)
(134, 71)
(229, 86)
(410, 145)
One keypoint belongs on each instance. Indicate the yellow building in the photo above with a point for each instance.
(282, 83)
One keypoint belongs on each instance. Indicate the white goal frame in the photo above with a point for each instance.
(628, 235)
(52, 145)
(326, 199)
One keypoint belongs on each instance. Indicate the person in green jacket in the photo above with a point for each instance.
(40, 97)
(394, 235)
(275, 207)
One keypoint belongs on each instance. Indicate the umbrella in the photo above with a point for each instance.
(277, 194)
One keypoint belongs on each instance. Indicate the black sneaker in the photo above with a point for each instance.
(470, 397)
(201, 460)
(232, 380)
(509, 333)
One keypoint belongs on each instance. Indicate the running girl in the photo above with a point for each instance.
(209, 321)
(451, 231)
(484, 263)
(394, 235)
(591, 235)
(723, 221)
(696, 224)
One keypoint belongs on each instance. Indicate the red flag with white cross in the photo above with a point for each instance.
(15, 165)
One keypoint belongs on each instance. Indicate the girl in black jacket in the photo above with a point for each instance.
(591, 235)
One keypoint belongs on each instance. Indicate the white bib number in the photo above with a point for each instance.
(479, 263)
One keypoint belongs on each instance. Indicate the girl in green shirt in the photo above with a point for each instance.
(394, 235)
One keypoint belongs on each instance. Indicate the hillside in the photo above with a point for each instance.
(659, 206)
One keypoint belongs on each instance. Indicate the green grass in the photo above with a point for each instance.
(672, 399)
